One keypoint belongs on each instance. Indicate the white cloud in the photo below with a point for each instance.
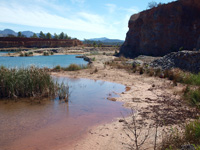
(132, 10)
(78, 1)
(92, 18)
(111, 7)
(37, 17)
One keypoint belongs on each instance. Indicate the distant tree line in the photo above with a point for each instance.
(62, 36)
(100, 43)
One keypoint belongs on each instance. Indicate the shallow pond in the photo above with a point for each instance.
(41, 61)
(53, 124)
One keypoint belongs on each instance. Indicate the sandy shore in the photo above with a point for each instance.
(155, 100)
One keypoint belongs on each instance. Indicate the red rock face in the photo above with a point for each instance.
(7, 42)
(164, 29)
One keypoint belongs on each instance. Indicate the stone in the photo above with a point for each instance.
(185, 60)
(163, 29)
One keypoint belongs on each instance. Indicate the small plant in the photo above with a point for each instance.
(73, 67)
(93, 59)
(151, 72)
(46, 53)
(63, 92)
(141, 70)
(158, 72)
(115, 53)
(52, 53)
(57, 68)
(95, 70)
(181, 48)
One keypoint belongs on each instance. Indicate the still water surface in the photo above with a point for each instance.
(53, 124)
(41, 61)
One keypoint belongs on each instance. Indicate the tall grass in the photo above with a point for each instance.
(190, 136)
(26, 82)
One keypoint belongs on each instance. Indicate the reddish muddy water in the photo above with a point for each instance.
(53, 124)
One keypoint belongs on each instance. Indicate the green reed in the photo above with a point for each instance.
(26, 82)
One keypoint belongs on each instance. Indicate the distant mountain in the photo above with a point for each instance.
(7, 32)
(104, 39)
(27, 33)
(11, 32)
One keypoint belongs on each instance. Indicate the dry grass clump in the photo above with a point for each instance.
(121, 58)
(26, 82)
(71, 67)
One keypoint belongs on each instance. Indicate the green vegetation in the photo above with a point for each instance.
(55, 36)
(192, 95)
(71, 67)
(190, 136)
(46, 53)
(42, 35)
(19, 34)
(63, 92)
(48, 36)
(26, 54)
(192, 91)
(25, 83)
(101, 43)
(61, 36)
(34, 36)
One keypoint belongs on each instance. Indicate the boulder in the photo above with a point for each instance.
(185, 60)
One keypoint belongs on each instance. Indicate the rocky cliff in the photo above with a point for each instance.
(164, 29)
(7, 42)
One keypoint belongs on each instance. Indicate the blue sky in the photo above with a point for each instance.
(78, 18)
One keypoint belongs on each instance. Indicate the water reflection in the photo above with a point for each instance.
(41, 61)
(39, 126)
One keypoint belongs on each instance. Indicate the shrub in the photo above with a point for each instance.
(30, 53)
(45, 53)
(158, 71)
(57, 68)
(150, 72)
(73, 67)
(52, 53)
(141, 70)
